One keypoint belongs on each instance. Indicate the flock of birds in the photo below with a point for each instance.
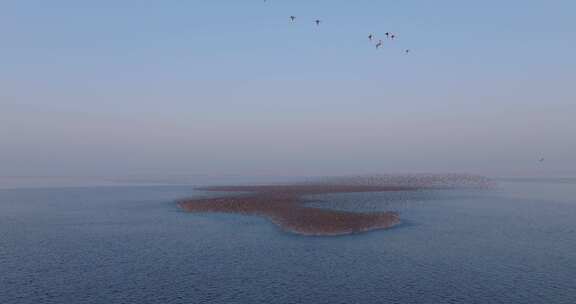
(377, 43)
(371, 37)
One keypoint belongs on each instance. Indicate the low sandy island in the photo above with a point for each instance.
(285, 204)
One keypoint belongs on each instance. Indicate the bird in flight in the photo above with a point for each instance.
(379, 44)
(407, 51)
(318, 22)
(370, 37)
(292, 18)
(541, 159)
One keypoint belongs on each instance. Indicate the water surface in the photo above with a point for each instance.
(514, 244)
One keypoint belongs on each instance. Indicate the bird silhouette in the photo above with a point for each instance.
(371, 37)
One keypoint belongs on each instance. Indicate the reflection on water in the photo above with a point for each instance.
(515, 244)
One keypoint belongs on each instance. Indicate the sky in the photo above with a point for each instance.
(231, 87)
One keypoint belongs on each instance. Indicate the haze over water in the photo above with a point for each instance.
(232, 87)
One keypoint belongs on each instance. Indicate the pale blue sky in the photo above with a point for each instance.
(231, 87)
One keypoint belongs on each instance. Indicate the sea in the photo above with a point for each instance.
(124, 243)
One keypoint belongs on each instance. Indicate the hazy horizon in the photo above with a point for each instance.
(143, 88)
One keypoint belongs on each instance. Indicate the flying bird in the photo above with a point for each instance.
(292, 18)
(387, 35)
(318, 22)
(370, 37)
(541, 159)
(379, 44)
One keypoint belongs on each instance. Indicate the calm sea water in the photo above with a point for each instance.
(515, 244)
